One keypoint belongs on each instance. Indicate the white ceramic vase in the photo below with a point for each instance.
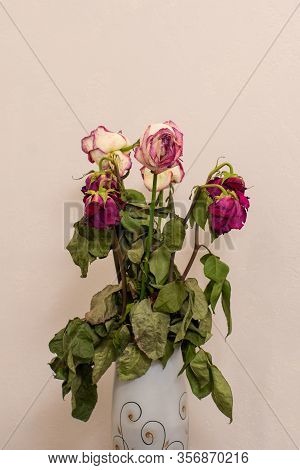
(151, 411)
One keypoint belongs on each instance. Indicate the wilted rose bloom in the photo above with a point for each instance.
(160, 147)
(225, 214)
(100, 213)
(234, 183)
(102, 201)
(95, 181)
(103, 143)
(164, 179)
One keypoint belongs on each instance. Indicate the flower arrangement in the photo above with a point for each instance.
(153, 308)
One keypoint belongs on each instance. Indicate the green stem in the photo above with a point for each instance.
(172, 215)
(160, 202)
(149, 238)
(130, 147)
(223, 190)
(218, 167)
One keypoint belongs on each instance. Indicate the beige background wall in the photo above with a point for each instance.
(69, 65)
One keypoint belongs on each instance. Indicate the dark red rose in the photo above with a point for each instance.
(225, 214)
(234, 183)
(100, 213)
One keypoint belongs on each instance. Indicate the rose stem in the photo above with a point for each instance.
(218, 167)
(197, 247)
(160, 202)
(118, 252)
(172, 258)
(149, 238)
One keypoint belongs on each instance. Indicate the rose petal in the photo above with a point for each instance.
(163, 179)
(87, 143)
(96, 155)
(177, 173)
(108, 141)
(124, 162)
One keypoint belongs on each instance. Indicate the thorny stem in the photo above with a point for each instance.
(149, 238)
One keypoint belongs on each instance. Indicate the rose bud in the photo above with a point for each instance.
(103, 143)
(160, 147)
(225, 214)
(164, 179)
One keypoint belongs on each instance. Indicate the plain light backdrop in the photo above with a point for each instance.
(228, 73)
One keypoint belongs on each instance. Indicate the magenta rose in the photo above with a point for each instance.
(160, 147)
(101, 213)
(226, 214)
(103, 143)
(234, 183)
(102, 201)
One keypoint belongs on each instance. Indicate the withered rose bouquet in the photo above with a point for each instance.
(153, 308)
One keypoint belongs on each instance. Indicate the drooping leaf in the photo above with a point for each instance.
(133, 196)
(84, 393)
(206, 326)
(171, 297)
(173, 234)
(207, 291)
(130, 223)
(187, 312)
(215, 294)
(121, 338)
(82, 344)
(60, 368)
(159, 264)
(198, 391)
(56, 344)
(200, 367)
(105, 355)
(150, 329)
(215, 269)
(103, 305)
(226, 294)
(198, 301)
(78, 248)
(169, 349)
(135, 253)
(200, 211)
(188, 354)
(132, 363)
(100, 242)
(221, 392)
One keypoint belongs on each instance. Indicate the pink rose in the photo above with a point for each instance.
(164, 179)
(103, 143)
(160, 147)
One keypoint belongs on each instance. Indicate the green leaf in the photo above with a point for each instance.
(221, 392)
(121, 339)
(78, 248)
(130, 223)
(199, 366)
(200, 211)
(84, 394)
(105, 355)
(60, 368)
(206, 326)
(169, 349)
(133, 196)
(150, 329)
(100, 242)
(56, 344)
(215, 294)
(82, 344)
(215, 269)
(159, 264)
(187, 311)
(173, 234)
(103, 305)
(204, 258)
(188, 354)
(133, 363)
(171, 297)
(208, 290)
(198, 301)
(226, 295)
(198, 391)
(135, 253)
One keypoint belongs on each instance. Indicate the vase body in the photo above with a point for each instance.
(151, 412)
